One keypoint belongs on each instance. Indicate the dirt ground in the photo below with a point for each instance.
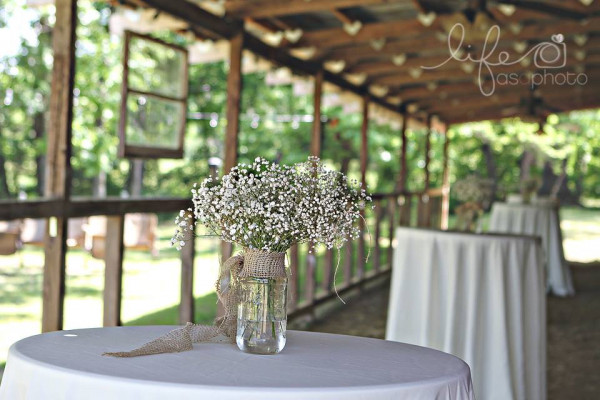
(573, 361)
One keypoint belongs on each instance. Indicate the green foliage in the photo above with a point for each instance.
(573, 137)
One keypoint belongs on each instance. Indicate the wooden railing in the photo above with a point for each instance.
(324, 272)
(349, 267)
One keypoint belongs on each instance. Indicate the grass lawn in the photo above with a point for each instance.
(151, 288)
(151, 285)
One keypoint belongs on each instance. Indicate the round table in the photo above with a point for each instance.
(69, 365)
(540, 219)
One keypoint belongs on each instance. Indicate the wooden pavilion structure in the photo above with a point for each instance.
(372, 48)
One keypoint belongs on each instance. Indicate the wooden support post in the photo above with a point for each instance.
(293, 283)
(58, 161)
(401, 186)
(113, 270)
(445, 184)
(406, 211)
(328, 271)
(364, 153)
(186, 304)
(315, 151)
(317, 134)
(376, 248)
(234, 96)
(392, 214)
(427, 154)
(424, 202)
(348, 256)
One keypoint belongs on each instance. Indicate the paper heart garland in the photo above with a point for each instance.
(356, 79)
(431, 86)
(415, 72)
(396, 100)
(412, 108)
(580, 40)
(304, 53)
(399, 59)
(507, 9)
(353, 28)
(467, 67)
(580, 55)
(379, 90)
(586, 2)
(377, 44)
(274, 39)
(426, 19)
(520, 47)
(215, 7)
(293, 35)
(558, 38)
(441, 36)
(515, 28)
(335, 66)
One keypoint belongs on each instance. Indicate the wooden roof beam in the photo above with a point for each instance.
(495, 113)
(387, 63)
(271, 8)
(399, 28)
(450, 74)
(476, 97)
(430, 45)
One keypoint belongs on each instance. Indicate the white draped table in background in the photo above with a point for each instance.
(68, 365)
(479, 297)
(540, 219)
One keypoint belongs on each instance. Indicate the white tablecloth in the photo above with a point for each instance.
(69, 365)
(540, 220)
(479, 297)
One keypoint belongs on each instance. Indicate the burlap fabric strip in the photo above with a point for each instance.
(251, 263)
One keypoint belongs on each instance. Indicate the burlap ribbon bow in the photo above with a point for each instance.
(251, 263)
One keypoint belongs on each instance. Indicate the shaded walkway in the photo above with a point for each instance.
(573, 332)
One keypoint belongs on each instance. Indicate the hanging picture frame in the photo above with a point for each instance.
(154, 96)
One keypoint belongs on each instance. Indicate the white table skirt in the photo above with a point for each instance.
(479, 297)
(539, 220)
(69, 365)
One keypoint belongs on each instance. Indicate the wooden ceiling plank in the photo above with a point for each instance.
(496, 113)
(373, 31)
(271, 8)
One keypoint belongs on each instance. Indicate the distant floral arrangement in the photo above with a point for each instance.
(530, 185)
(270, 207)
(474, 189)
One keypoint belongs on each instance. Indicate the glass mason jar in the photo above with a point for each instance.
(262, 315)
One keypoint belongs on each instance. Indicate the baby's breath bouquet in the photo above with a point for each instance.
(475, 193)
(529, 186)
(269, 207)
(265, 208)
(474, 189)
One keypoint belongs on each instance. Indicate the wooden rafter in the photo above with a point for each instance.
(496, 113)
(270, 8)
(409, 44)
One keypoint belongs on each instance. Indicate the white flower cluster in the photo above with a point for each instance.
(474, 189)
(270, 207)
(530, 185)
